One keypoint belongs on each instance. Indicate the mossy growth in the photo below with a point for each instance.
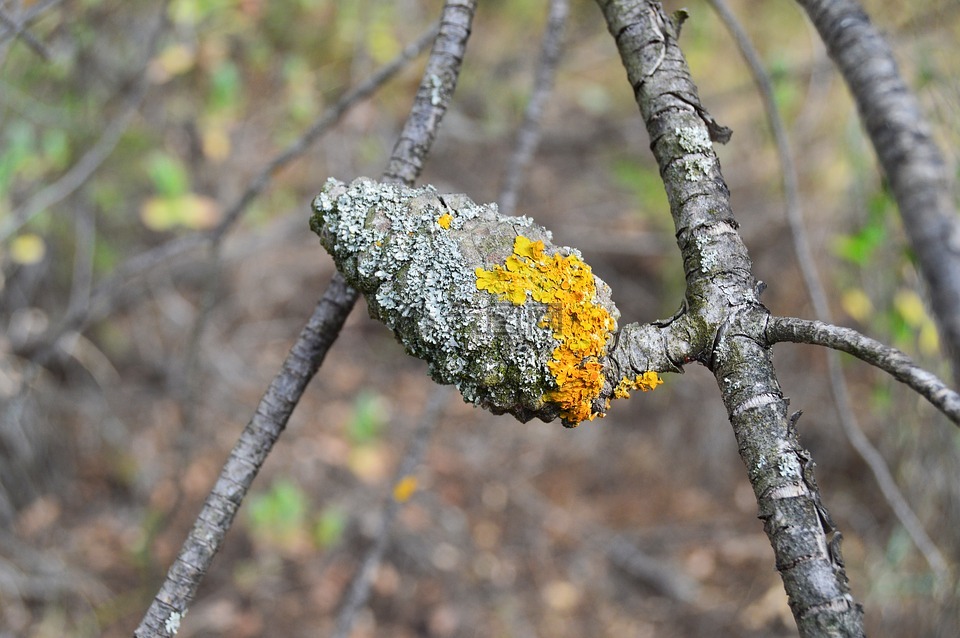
(518, 325)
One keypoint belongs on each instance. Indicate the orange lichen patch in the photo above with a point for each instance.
(645, 382)
(444, 220)
(580, 326)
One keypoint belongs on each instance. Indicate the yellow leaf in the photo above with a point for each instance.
(175, 59)
(190, 210)
(28, 248)
(857, 304)
(910, 307)
(216, 143)
(405, 488)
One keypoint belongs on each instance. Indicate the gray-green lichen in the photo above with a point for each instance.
(696, 142)
(413, 253)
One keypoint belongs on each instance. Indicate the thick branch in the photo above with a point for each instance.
(725, 321)
(177, 592)
(890, 360)
(918, 176)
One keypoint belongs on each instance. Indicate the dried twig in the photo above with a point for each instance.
(19, 30)
(79, 173)
(106, 293)
(359, 588)
(168, 608)
(528, 136)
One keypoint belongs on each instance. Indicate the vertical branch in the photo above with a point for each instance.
(168, 608)
(723, 319)
(918, 175)
(529, 134)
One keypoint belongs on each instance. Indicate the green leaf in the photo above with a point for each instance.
(168, 175)
(225, 85)
(329, 527)
(369, 417)
(280, 513)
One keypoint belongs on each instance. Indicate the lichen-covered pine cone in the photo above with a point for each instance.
(517, 324)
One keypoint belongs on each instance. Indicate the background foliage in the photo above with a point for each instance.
(110, 441)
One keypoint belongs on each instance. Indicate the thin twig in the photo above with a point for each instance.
(19, 30)
(196, 555)
(28, 17)
(85, 167)
(106, 292)
(890, 360)
(359, 588)
(814, 286)
(528, 136)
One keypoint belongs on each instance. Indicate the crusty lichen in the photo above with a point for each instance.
(519, 325)
(580, 326)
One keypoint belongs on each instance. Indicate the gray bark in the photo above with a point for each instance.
(169, 607)
(722, 323)
(918, 176)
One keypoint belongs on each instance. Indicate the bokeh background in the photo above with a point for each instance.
(148, 120)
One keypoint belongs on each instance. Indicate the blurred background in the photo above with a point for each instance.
(132, 352)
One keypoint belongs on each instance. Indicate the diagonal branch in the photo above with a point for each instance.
(96, 155)
(811, 278)
(104, 295)
(914, 166)
(529, 134)
(172, 601)
(722, 320)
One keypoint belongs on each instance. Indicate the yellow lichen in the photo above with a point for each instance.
(444, 220)
(645, 382)
(580, 326)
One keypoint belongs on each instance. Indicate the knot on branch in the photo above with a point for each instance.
(519, 325)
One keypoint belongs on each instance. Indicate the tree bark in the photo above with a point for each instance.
(722, 324)
(917, 173)
(169, 607)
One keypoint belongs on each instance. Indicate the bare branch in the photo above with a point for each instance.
(168, 608)
(85, 167)
(330, 117)
(104, 295)
(19, 30)
(890, 360)
(814, 286)
(528, 136)
(918, 175)
(722, 317)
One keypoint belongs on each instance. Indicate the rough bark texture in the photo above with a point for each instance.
(918, 176)
(722, 324)
(169, 607)
(888, 359)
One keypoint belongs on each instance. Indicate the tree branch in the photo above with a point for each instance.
(529, 134)
(814, 286)
(890, 360)
(103, 296)
(170, 605)
(919, 178)
(723, 321)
